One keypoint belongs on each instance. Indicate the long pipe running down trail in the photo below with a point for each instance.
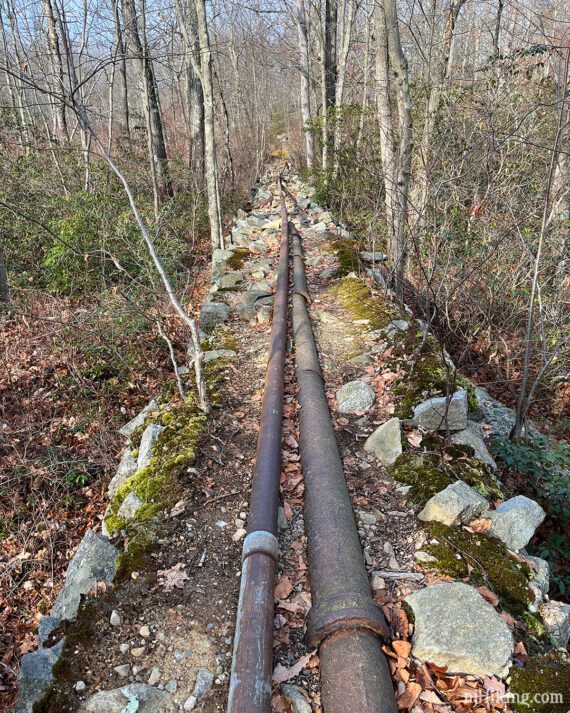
(344, 621)
(252, 664)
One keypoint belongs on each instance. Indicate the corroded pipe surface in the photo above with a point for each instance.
(344, 620)
(252, 664)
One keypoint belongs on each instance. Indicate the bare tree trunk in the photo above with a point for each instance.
(339, 92)
(60, 119)
(329, 69)
(305, 81)
(205, 72)
(497, 32)
(392, 73)
(364, 105)
(4, 289)
(138, 49)
(120, 53)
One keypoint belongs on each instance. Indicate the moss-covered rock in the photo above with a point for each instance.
(543, 686)
(238, 258)
(156, 484)
(346, 252)
(140, 545)
(357, 298)
(430, 473)
(483, 561)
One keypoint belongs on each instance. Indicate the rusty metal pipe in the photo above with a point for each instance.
(344, 621)
(252, 664)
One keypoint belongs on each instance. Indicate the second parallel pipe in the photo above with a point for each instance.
(252, 664)
(344, 621)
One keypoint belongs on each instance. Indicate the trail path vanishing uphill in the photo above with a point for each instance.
(161, 637)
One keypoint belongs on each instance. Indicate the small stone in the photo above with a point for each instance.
(515, 521)
(282, 521)
(264, 315)
(221, 524)
(247, 313)
(361, 360)
(239, 523)
(203, 684)
(130, 506)
(386, 442)
(367, 518)
(378, 583)
(213, 314)
(138, 651)
(215, 354)
(144, 631)
(128, 699)
(123, 670)
(239, 534)
(329, 272)
(455, 505)
(455, 627)
(540, 573)
(80, 686)
(124, 648)
(116, 618)
(424, 557)
(171, 686)
(472, 436)
(556, 618)
(441, 413)
(355, 396)
(297, 698)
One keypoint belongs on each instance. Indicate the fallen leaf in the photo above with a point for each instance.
(520, 651)
(494, 685)
(410, 695)
(283, 588)
(480, 526)
(414, 438)
(173, 577)
(430, 697)
(402, 648)
(489, 596)
(282, 673)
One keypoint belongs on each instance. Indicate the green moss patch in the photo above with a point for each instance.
(240, 255)
(483, 561)
(346, 252)
(157, 485)
(429, 473)
(357, 298)
(425, 373)
(135, 558)
(535, 686)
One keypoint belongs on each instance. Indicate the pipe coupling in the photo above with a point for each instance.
(260, 541)
(342, 611)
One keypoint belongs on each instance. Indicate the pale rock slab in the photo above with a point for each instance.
(515, 521)
(355, 396)
(455, 627)
(386, 442)
(434, 413)
(455, 505)
(212, 314)
(129, 428)
(556, 618)
(148, 442)
(473, 436)
(93, 562)
(137, 697)
(130, 506)
(127, 467)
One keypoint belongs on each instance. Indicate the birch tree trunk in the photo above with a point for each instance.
(339, 91)
(305, 81)
(122, 60)
(137, 48)
(58, 75)
(392, 74)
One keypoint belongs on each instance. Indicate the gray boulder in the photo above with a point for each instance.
(355, 396)
(36, 676)
(435, 413)
(297, 698)
(320, 227)
(457, 504)
(257, 247)
(247, 313)
(229, 281)
(515, 521)
(473, 436)
(148, 441)
(216, 354)
(204, 681)
(251, 297)
(329, 272)
(93, 562)
(257, 221)
(500, 417)
(129, 428)
(455, 627)
(138, 697)
(130, 506)
(556, 618)
(127, 467)
(212, 314)
(395, 326)
(219, 255)
(369, 256)
(386, 442)
(47, 625)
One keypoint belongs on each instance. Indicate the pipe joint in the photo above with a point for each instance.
(343, 611)
(261, 542)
